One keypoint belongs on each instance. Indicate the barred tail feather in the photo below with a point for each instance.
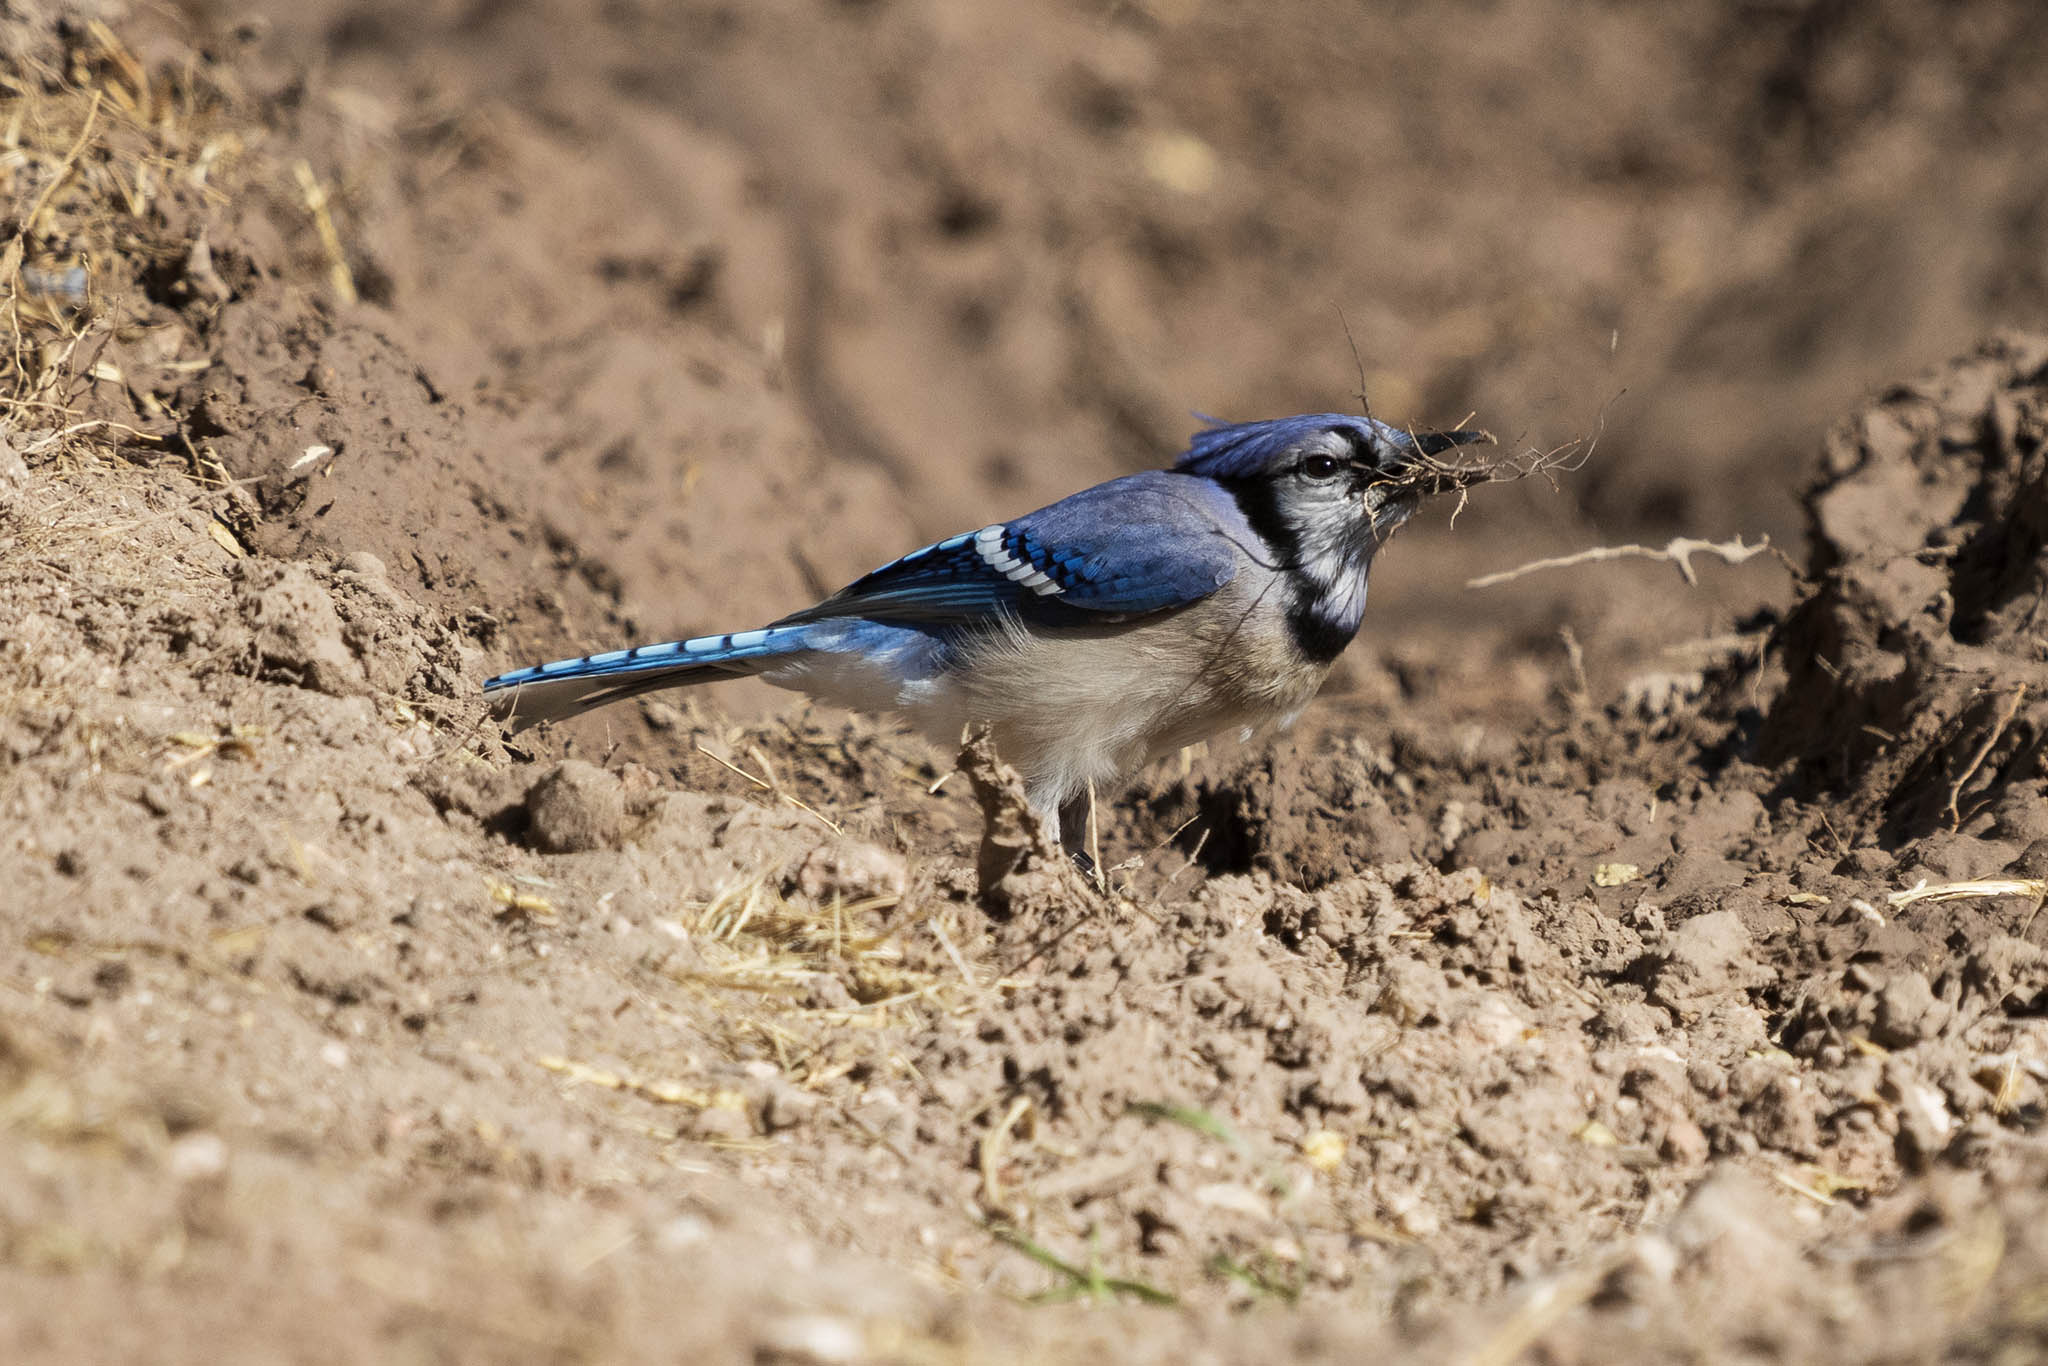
(563, 688)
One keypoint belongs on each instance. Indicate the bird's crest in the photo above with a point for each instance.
(1237, 450)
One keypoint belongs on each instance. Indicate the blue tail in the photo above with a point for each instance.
(569, 687)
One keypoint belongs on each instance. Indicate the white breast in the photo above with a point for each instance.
(1073, 706)
(1069, 708)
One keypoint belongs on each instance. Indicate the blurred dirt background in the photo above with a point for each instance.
(1612, 966)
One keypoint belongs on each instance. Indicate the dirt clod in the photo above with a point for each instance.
(296, 632)
(850, 871)
(1022, 871)
(576, 807)
(1704, 959)
(1908, 1011)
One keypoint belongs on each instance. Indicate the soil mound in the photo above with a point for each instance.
(1916, 682)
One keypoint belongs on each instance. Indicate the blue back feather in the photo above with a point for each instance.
(1133, 546)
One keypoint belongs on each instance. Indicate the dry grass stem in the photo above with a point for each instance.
(1095, 842)
(661, 1092)
(1429, 475)
(751, 939)
(1678, 552)
(946, 943)
(62, 173)
(771, 788)
(1798, 1187)
(992, 1150)
(1542, 1309)
(338, 273)
(1983, 752)
(93, 153)
(2036, 888)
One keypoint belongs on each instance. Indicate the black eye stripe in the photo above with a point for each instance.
(1366, 455)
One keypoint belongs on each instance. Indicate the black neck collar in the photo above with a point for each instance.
(1315, 629)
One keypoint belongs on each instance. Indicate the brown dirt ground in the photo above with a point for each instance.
(1587, 978)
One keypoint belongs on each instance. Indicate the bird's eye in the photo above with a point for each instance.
(1321, 468)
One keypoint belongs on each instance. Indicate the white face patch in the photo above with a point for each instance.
(1336, 527)
(1334, 535)
(1342, 597)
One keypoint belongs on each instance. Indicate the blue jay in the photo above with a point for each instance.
(1110, 628)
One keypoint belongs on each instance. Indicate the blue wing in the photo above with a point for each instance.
(1125, 549)
(1128, 548)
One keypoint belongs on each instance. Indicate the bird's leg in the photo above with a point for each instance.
(1072, 822)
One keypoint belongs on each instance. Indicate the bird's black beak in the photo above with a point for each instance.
(1436, 443)
(1421, 475)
